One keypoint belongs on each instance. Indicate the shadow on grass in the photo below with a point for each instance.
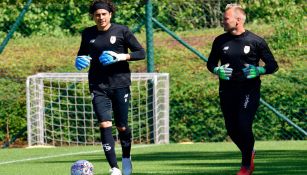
(267, 162)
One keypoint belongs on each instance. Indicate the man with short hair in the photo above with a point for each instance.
(239, 52)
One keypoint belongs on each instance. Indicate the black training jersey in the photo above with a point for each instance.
(117, 38)
(247, 48)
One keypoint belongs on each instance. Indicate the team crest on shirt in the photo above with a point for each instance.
(113, 39)
(247, 49)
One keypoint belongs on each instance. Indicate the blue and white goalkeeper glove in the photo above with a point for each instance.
(224, 72)
(251, 71)
(110, 57)
(82, 62)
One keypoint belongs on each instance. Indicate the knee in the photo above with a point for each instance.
(121, 129)
(124, 134)
(245, 128)
(105, 124)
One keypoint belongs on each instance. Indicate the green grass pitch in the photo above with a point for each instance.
(272, 157)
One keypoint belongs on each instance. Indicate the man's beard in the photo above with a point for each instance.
(231, 29)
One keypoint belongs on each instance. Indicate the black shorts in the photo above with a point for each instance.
(111, 102)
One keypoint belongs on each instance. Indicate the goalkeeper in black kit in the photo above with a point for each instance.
(104, 48)
(239, 52)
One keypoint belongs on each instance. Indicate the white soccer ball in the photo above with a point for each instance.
(82, 167)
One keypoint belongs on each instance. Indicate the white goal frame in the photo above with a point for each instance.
(60, 113)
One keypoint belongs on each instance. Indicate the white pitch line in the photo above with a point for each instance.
(47, 157)
(61, 155)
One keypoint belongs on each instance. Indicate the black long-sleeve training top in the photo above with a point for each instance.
(237, 50)
(117, 38)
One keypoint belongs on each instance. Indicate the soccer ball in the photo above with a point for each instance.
(82, 167)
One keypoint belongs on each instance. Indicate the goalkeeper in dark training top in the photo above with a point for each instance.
(104, 48)
(239, 52)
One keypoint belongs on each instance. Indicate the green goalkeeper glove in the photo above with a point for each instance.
(251, 71)
(223, 71)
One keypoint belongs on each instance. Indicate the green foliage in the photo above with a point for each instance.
(12, 110)
(290, 101)
(195, 113)
(59, 18)
(290, 27)
(43, 19)
(287, 16)
(189, 14)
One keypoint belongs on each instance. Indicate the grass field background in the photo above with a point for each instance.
(272, 157)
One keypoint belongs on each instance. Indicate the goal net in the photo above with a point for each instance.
(60, 112)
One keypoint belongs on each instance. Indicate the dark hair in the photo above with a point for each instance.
(108, 3)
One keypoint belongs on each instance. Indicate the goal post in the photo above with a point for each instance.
(60, 112)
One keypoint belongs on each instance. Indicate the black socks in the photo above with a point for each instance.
(125, 141)
(108, 145)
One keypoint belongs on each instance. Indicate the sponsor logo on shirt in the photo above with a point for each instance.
(92, 41)
(113, 39)
(247, 49)
(225, 49)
